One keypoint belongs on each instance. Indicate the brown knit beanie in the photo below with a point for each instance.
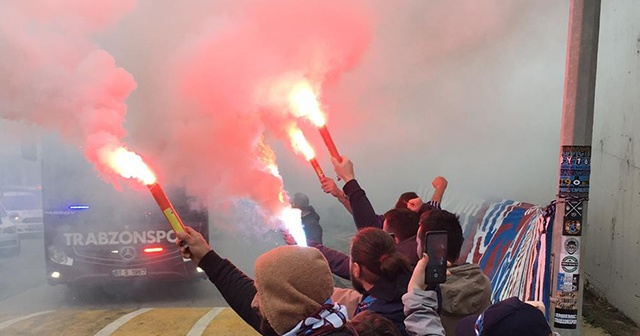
(292, 283)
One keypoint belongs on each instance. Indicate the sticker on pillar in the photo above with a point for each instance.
(573, 210)
(564, 282)
(566, 318)
(571, 245)
(567, 300)
(575, 171)
(569, 264)
(572, 221)
(572, 228)
(568, 283)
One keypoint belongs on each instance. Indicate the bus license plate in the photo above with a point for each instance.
(129, 272)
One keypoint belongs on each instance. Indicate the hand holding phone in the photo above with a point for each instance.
(434, 244)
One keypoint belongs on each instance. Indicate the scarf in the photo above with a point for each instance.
(328, 318)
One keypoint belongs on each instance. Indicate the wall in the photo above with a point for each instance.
(613, 224)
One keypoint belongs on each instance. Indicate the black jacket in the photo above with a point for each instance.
(388, 299)
(387, 294)
(237, 288)
(311, 225)
(363, 213)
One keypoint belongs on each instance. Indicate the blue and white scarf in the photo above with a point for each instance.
(328, 318)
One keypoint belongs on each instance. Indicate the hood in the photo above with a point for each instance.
(467, 291)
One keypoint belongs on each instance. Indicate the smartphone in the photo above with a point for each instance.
(434, 244)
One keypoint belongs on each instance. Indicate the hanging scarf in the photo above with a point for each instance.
(328, 318)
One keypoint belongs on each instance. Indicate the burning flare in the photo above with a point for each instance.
(304, 103)
(300, 145)
(292, 219)
(130, 165)
(127, 164)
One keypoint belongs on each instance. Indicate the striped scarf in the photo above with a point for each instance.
(328, 318)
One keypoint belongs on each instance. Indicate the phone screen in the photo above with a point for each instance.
(436, 249)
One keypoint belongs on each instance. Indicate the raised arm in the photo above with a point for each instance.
(440, 184)
(329, 186)
(237, 288)
(338, 261)
(363, 213)
(420, 305)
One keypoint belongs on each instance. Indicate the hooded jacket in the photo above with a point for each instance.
(466, 292)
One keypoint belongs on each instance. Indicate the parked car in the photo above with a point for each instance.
(9, 237)
(24, 205)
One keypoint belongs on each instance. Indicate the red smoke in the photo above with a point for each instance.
(221, 82)
(53, 76)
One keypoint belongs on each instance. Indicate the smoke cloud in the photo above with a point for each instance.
(56, 78)
(471, 90)
(226, 84)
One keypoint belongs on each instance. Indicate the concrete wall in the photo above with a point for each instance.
(612, 266)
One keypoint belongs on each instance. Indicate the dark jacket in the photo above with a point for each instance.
(237, 289)
(363, 213)
(311, 225)
(339, 262)
(386, 300)
(409, 248)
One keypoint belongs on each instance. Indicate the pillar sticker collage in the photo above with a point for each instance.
(575, 170)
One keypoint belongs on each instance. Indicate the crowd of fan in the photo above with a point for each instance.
(293, 292)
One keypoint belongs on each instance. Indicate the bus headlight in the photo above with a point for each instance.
(59, 257)
(55, 275)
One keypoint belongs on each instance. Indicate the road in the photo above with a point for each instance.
(24, 291)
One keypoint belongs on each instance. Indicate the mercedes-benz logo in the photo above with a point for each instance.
(128, 253)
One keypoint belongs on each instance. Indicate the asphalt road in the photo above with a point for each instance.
(24, 292)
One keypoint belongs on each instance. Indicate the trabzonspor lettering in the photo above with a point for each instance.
(119, 238)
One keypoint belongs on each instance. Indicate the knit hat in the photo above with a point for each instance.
(292, 283)
(507, 317)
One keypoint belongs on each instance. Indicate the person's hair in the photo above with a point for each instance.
(369, 323)
(300, 201)
(375, 251)
(437, 220)
(402, 223)
(404, 199)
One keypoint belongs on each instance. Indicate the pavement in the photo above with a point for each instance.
(218, 321)
(589, 330)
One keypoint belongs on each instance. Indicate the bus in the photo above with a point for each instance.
(95, 234)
